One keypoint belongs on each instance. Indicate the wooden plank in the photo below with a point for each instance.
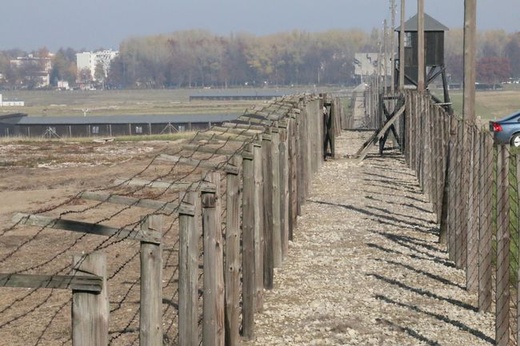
(486, 186)
(284, 193)
(258, 202)
(90, 311)
(199, 163)
(363, 151)
(87, 283)
(276, 199)
(172, 186)
(248, 252)
(244, 126)
(189, 235)
(167, 207)
(232, 265)
(503, 247)
(150, 307)
(248, 132)
(268, 214)
(85, 227)
(213, 296)
(208, 136)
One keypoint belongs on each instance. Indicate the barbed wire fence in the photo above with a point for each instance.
(473, 186)
(238, 222)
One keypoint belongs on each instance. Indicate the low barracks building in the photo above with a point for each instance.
(21, 125)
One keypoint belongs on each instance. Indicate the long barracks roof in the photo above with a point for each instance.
(430, 24)
(126, 119)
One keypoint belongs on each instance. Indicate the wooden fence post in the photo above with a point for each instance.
(90, 311)
(258, 203)
(232, 272)
(503, 242)
(268, 212)
(276, 197)
(248, 239)
(485, 268)
(284, 190)
(150, 326)
(189, 235)
(213, 297)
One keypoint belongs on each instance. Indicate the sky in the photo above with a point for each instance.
(94, 24)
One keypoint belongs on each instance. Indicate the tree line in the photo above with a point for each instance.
(198, 58)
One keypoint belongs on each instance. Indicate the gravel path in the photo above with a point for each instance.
(365, 267)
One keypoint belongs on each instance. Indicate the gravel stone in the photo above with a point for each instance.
(365, 266)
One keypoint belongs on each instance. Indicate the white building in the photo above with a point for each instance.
(89, 61)
(11, 103)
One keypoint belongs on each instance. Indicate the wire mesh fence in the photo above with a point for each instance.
(115, 220)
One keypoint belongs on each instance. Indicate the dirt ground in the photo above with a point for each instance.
(38, 177)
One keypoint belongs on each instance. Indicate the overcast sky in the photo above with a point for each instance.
(92, 24)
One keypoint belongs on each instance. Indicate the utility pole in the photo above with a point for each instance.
(385, 52)
(470, 32)
(392, 47)
(401, 47)
(420, 46)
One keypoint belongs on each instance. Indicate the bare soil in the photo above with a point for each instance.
(43, 177)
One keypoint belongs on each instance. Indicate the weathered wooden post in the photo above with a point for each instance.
(268, 212)
(276, 197)
(189, 235)
(248, 240)
(503, 248)
(258, 202)
(150, 326)
(90, 310)
(232, 272)
(213, 297)
(485, 268)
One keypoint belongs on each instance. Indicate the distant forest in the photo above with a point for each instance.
(199, 58)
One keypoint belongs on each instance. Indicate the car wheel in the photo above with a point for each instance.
(515, 140)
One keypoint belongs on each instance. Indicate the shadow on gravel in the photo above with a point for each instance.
(439, 317)
(429, 258)
(424, 293)
(408, 205)
(422, 272)
(407, 330)
(385, 218)
(412, 244)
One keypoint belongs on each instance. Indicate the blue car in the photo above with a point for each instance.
(507, 130)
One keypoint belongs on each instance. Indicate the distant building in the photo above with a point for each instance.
(35, 70)
(87, 61)
(20, 124)
(6, 103)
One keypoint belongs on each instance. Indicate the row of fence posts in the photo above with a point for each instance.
(276, 170)
(469, 182)
(266, 185)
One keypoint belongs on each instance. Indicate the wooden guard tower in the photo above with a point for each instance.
(434, 56)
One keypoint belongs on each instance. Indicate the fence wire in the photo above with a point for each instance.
(45, 249)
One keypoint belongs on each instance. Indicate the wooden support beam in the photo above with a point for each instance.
(221, 136)
(362, 152)
(197, 185)
(85, 227)
(244, 126)
(237, 131)
(87, 283)
(226, 167)
(216, 151)
(167, 207)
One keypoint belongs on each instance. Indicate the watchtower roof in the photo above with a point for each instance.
(430, 24)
